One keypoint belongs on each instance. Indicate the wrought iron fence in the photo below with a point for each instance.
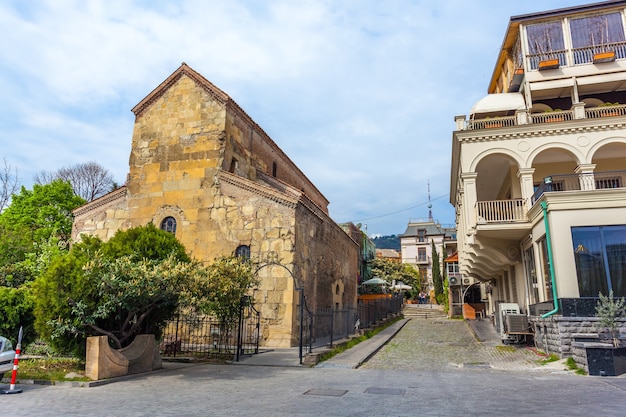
(326, 326)
(206, 337)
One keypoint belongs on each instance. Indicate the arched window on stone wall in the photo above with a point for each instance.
(169, 224)
(243, 251)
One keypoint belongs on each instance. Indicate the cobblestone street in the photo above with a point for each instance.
(439, 344)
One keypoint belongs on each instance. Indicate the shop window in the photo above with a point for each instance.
(600, 256)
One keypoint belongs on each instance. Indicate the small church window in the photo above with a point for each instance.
(243, 251)
(169, 224)
(274, 169)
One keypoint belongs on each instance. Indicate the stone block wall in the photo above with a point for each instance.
(186, 135)
(558, 335)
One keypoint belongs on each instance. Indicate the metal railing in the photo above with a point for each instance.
(206, 337)
(501, 211)
(583, 181)
(585, 55)
(326, 326)
(535, 59)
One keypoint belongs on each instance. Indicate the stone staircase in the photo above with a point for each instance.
(423, 311)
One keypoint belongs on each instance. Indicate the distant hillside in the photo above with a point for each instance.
(387, 242)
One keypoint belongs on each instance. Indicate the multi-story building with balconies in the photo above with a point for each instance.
(538, 174)
(417, 247)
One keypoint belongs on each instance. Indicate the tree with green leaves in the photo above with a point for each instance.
(36, 220)
(390, 271)
(44, 211)
(129, 285)
(16, 310)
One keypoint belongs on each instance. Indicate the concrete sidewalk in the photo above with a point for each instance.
(351, 358)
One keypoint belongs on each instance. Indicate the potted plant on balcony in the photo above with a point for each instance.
(609, 112)
(555, 115)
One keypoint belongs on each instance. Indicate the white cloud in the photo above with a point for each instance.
(360, 94)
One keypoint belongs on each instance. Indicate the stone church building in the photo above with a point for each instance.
(201, 168)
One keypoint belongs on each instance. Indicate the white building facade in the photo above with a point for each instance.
(417, 247)
(538, 174)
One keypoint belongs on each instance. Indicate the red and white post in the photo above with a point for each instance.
(16, 361)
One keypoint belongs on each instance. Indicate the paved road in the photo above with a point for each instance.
(438, 381)
(442, 344)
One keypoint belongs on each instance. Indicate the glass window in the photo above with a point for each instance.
(596, 30)
(545, 42)
(243, 251)
(600, 255)
(169, 225)
(421, 255)
(596, 34)
(545, 263)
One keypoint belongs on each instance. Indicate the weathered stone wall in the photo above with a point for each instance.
(255, 150)
(184, 141)
(103, 217)
(325, 258)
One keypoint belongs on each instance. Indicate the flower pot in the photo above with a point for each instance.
(606, 361)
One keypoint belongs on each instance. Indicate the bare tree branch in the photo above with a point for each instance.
(89, 180)
(8, 184)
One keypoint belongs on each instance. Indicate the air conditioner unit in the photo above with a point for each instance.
(467, 281)
(510, 322)
(516, 323)
(454, 281)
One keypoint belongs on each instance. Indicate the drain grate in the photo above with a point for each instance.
(327, 392)
(476, 365)
(385, 391)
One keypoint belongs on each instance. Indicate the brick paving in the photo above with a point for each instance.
(440, 344)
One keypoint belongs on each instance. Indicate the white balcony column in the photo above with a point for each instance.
(469, 192)
(522, 117)
(586, 177)
(578, 110)
(525, 176)
(460, 122)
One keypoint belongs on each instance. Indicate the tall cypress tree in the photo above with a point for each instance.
(437, 280)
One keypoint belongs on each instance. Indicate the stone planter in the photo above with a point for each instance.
(102, 361)
(605, 360)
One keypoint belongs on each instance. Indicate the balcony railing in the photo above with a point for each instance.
(551, 117)
(492, 123)
(501, 211)
(586, 55)
(548, 117)
(535, 59)
(605, 111)
(585, 181)
(577, 56)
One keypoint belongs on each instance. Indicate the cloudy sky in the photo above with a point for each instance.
(360, 94)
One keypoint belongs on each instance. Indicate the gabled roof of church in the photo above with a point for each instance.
(184, 69)
(221, 97)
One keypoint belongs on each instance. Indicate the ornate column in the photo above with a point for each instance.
(586, 177)
(525, 176)
(469, 203)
